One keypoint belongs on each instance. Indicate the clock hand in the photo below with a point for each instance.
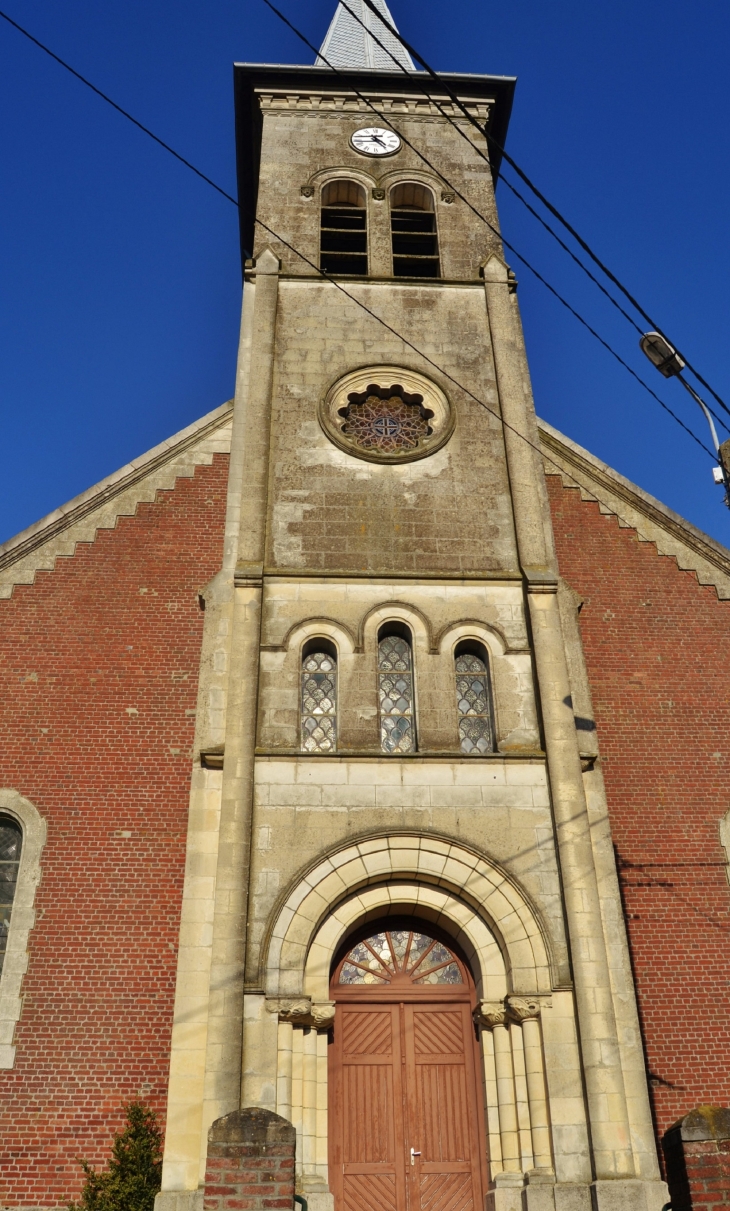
(377, 139)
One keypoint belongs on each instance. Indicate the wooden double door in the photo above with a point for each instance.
(405, 1118)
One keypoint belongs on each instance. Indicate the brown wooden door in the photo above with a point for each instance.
(441, 1108)
(368, 1126)
(405, 1120)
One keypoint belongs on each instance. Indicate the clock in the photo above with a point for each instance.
(374, 141)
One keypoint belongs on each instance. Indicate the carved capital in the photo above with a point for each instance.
(300, 1011)
(521, 1009)
(447, 197)
(323, 1014)
(294, 1009)
(490, 1014)
(307, 191)
(379, 195)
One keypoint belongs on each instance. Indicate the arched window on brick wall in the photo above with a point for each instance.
(11, 845)
(319, 697)
(395, 689)
(22, 837)
(474, 699)
(343, 237)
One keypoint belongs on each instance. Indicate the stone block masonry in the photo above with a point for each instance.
(250, 1163)
(99, 667)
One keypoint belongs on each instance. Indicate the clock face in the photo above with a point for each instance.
(374, 141)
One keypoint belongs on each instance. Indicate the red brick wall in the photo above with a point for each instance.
(657, 646)
(98, 680)
(708, 1174)
(250, 1163)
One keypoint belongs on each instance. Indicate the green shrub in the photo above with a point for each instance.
(135, 1169)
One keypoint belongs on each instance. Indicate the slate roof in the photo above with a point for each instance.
(347, 44)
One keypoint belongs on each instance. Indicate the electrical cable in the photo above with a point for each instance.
(389, 121)
(523, 176)
(483, 130)
(286, 244)
(399, 336)
(114, 105)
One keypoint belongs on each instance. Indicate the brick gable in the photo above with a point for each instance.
(98, 680)
(657, 647)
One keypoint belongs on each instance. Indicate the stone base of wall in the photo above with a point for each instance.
(697, 1152)
(250, 1163)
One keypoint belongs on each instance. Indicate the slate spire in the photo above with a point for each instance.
(347, 44)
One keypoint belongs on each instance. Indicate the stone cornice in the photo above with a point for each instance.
(344, 100)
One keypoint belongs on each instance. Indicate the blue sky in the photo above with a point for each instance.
(120, 296)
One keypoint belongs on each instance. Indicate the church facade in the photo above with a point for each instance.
(365, 742)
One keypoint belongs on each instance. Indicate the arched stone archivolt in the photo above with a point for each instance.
(472, 897)
(394, 611)
(498, 930)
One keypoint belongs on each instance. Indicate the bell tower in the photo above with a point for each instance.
(401, 905)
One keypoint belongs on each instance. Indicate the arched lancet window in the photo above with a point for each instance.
(413, 231)
(319, 697)
(400, 956)
(344, 228)
(474, 699)
(395, 690)
(11, 843)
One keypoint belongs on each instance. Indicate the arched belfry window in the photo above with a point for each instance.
(413, 231)
(11, 843)
(474, 699)
(395, 690)
(319, 697)
(344, 228)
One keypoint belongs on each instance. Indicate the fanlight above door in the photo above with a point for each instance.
(400, 956)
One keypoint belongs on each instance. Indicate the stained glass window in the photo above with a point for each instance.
(319, 702)
(395, 694)
(473, 702)
(386, 419)
(11, 843)
(400, 955)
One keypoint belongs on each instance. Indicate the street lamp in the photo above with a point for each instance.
(671, 364)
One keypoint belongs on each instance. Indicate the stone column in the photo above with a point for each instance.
(526, 1011)
(494, 1017)
(225, 1014)
(612, 1153)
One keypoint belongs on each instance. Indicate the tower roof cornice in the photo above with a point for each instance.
(253, 82)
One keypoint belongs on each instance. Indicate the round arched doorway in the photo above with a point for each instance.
(406, 1111)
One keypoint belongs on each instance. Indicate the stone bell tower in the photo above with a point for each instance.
(401, 925)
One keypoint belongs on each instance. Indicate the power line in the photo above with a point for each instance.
(399, 336)
(125, 113)
(118, 108)
(281, 240)
(389, 120)
(483, 130)
(523, 176)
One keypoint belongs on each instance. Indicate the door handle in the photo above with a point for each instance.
(414, 1154)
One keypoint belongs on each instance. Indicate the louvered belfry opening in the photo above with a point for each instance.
(413, 232)
(344, 229)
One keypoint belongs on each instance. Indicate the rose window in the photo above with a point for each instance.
(386, 419)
